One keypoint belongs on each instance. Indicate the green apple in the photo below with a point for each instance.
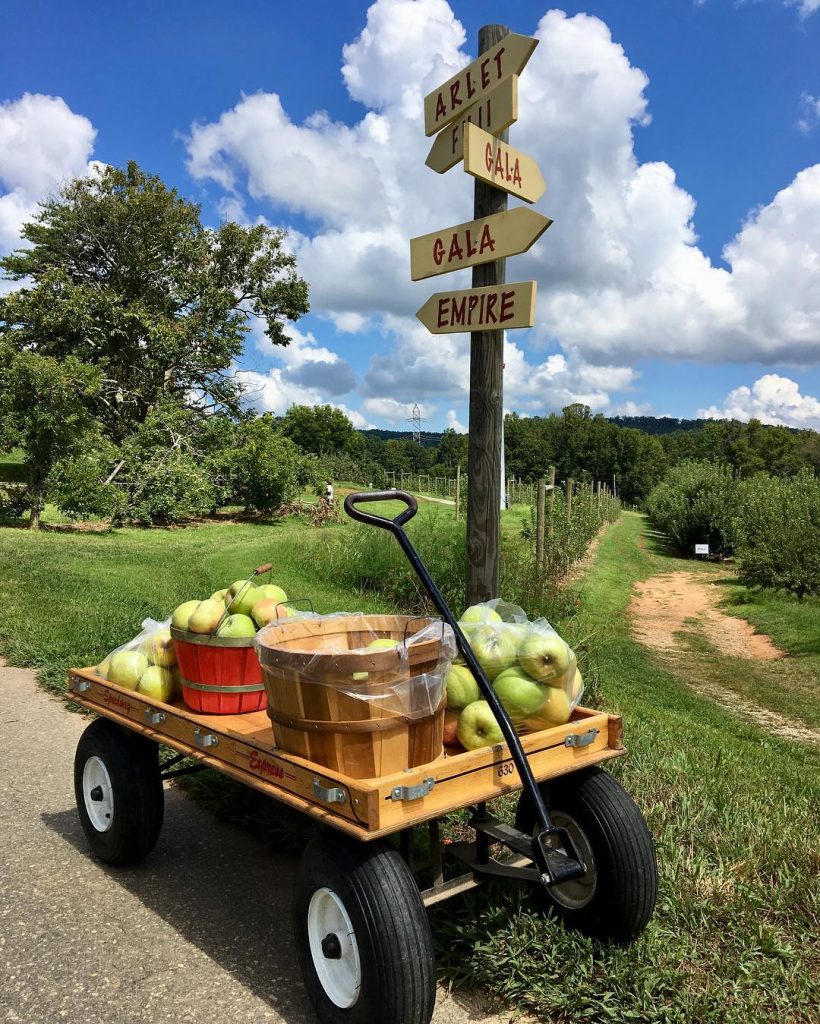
(126, 668)
(451, 728)
(157, 682)
(237, 625)
(159, 649)
(477, 726)
(577, 687)
(102, 668)
(242, 602)
(269, 609)
(521, 695)
(381, 644)
(182, 614)
(479, 613)
(219, 595)
(544, 656)
(206, 616)
(495, 649)
(555, 710)
(270, 592)
(462, 688)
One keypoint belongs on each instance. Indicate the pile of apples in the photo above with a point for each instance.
(149, 668)
(532, 671)
(249, 609)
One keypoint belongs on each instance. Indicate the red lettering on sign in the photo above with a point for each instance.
(487, 240)
(492, 298)
(454, 139)
(456, 252)
(438, 251)
(458, 306)
(442, 313)
(441, 110)
(116, 700)
(488, 157)
(497, 59)
(499, 164)
(470, 86)
(516, 175)
(454, 89)
(472, 306)
(507, 303)
(485, 77)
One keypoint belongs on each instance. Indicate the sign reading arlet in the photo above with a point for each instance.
(476, 241)
(473, 82)
(494, 113)
(496, 307)
(500, 165)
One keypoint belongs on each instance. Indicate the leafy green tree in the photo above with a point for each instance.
(268, 467)
(321, 429)
(696, 504)
(452, 449)
(120, 273)
(45, 408)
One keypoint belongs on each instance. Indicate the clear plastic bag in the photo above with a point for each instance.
(356, 666)
(147, 663)
(532, 669)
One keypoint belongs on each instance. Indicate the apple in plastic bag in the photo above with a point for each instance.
(157, 682)
(495, 648)
(462, 688)
(577, 686)
(205, 617)
(555, 710)
(477, 726)
(383, 643)
(451, 719)
(520, 694)
(237, 626)
(544, 656)
(160, 649)
(126, 668)
(183, 613)
(479, 613)
(102, 668)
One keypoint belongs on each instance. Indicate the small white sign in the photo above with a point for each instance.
(701, 549)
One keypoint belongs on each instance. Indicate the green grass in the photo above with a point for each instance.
(733, 809)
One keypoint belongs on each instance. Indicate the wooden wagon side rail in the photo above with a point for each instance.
(242, 747)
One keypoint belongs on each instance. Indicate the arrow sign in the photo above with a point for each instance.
(494, 113)
(499, 307)
(500, 165)
(477, 241)
(474, 82)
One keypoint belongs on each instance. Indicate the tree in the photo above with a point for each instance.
(452, 449)
(322, 430)
(44, 407)
(268, 467)
(120, 273)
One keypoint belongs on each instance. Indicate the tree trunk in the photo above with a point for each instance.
(37, 498)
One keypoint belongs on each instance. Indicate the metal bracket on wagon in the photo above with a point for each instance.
(154, 717)
(205, 739)
(80, 685)
(330, 794)
(412, 792)
(581, 739)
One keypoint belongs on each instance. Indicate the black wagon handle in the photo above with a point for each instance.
(360, 497)
(555, 866)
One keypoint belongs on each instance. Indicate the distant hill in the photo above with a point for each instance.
(658, 424)
(428, 439)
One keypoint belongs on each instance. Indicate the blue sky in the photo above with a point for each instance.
(667, 130)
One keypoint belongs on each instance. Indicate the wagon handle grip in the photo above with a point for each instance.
(359, 497)
(262, 569)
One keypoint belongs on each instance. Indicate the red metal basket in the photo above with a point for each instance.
(220, 675)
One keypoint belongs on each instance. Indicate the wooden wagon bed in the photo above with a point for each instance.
(242, 746)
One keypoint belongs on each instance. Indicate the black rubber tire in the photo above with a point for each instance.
(138, 798)
(625, 866)
(390, 925)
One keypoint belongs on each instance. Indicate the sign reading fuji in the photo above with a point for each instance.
(476, 241)
(472, 83)
(497, 307)
(494, 113)
(500, 165)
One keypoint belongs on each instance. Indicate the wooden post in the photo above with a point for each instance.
(486, 404)
(458, 490)
(552, 503)
(568, 496)
(539, 526)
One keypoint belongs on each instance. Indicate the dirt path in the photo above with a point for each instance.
(668, 609)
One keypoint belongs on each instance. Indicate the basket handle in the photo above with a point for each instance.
(360, 497)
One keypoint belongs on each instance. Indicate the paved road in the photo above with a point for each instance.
(199, 932)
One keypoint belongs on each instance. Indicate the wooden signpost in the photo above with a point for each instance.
(471, 112)
(499, 306)
(500, 165)
(476, 241)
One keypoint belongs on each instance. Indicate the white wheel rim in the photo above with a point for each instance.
(98, 794)
(333, 948)
(577, 893)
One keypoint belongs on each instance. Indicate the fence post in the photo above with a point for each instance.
(552, 503)
(570, 483)
(539, 528)
(458, 489)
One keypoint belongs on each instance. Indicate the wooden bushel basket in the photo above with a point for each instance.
(220, 675)
(321, 713)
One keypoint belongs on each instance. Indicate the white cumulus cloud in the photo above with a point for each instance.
(771, 399)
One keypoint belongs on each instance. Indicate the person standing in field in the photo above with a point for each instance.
(328, 495)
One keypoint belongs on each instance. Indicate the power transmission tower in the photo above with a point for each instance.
(416, 419)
